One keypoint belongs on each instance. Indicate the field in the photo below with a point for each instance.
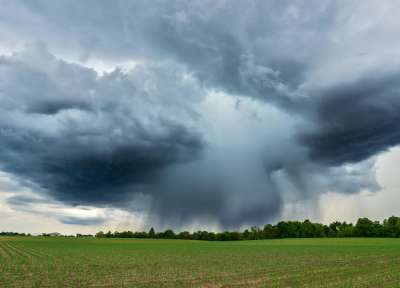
(76, 262)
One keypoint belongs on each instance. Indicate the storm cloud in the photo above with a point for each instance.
(206, 111)
(356, 120)
(89, 138)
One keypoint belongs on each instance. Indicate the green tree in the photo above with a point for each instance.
(169, 234)
(152, 233)
(364, 228)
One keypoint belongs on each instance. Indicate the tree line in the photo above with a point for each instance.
(5, 233)
(364, 227)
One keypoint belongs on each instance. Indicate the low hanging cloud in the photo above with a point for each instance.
(53, 209)
(89, 138)
(231, 109)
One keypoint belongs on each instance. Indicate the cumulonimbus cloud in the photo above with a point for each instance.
(317, 101)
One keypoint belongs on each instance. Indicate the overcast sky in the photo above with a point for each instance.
(197, 114)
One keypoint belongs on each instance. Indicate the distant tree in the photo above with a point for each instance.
(289, 229)
(14, 234)
(228, 236)
(307, 229)
(391, 227)
(270, 232)
(333, 229)
(152, 233)
(184, 235)
(246, 235)
(124, 234)
(345, 230)
(283, 229)
(169, 234)
(365, 228)
(255, 233)
(140, 235)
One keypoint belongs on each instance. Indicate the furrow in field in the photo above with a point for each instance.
(34, 253)
(7, 250)
(3, 252)
(16, 251)
(29, 252)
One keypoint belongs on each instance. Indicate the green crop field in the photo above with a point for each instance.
(90, 262)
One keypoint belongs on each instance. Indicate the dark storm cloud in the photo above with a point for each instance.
(86, 138)
(97, 152)
(356, 120)
(77, 173)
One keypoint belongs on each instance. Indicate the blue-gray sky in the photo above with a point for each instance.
(194, 113)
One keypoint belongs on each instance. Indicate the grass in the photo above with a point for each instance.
(75, 262)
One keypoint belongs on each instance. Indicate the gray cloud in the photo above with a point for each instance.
(81, 221)
(116, 139)
(50, 208)
(319, 72)
(356, 120)
(244, 47)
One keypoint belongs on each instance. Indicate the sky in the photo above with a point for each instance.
(193, 115)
